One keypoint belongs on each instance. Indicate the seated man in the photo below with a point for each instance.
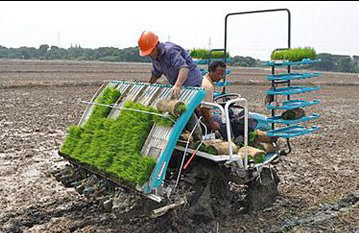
(216, 71)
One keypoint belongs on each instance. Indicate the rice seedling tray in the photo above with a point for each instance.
(289, 63)
(291, 76)
(291, 104)
(292, 90)
(222, 84)
(279, 120)
(291, 131)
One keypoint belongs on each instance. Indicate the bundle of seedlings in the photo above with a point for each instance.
(220, 147)
(174, 108)
(258, 145)
(293, 114)
(295, 54)
(254, 154)
(186, 137)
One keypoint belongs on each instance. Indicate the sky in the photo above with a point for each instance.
(330, 27)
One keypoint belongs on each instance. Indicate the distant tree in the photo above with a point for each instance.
(42, 50)
(327, 62)
(245, 61)
(56, 53)
(346, 65)
(74, 53)
(14, 53)
(28, 52)
(3, 52)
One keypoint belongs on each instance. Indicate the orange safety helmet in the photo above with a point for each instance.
(147, 43)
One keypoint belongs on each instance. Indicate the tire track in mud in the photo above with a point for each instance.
(324, 213)
(84, 213)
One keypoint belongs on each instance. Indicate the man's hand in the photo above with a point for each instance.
(215, 126)
(175, 92)
(181, 78)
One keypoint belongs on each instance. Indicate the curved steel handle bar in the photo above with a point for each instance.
(253, 12)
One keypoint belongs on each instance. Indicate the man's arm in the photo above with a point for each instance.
(153, 79)
(181, 78)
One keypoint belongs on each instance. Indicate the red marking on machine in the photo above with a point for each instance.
(161, 171)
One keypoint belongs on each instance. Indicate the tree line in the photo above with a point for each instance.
(329, 61)
(45, 52)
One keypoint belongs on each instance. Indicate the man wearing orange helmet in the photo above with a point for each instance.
(170, 60)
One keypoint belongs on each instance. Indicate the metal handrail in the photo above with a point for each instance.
(228, 126)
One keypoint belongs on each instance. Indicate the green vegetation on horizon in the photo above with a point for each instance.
(110, 54)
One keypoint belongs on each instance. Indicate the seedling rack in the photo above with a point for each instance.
(292, 129)
(276, 80)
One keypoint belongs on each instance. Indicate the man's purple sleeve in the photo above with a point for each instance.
(177, 60)
(155, 71)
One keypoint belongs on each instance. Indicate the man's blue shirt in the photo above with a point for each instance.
(170, 60)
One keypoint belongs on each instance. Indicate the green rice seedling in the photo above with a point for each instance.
(72, 138)
(75, 141)
(212, 151)
(82, 146)
(252, 139)
(204, 54)
(181, 109)
(295, 54)
(257, 159)
(128, 134)
(114, 145)
(199, 53)
(162, 121)
(109, 96)
(100, 150)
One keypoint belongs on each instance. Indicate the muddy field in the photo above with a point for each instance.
(318, 192)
